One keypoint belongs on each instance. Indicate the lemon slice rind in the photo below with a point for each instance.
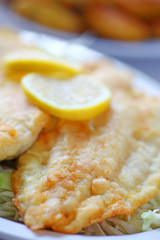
(17, 64)
(71, 111)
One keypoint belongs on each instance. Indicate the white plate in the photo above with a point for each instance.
(139, 50)
(16, 231)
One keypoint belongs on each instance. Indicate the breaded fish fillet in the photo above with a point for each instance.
(9, 41)
(20, 122)
(84, 172)
(108, 73)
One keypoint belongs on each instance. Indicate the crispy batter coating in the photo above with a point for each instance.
(79, 173)
(9, 41)
(106, 72)
(20, 121)
(83, 172)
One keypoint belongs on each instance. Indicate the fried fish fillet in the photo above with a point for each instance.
(84, 172)
(106, 72)
(20, 122)
(9, 41)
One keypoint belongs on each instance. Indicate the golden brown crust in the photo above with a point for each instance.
(20, 122)
(106, 72)
(5, 128)
(80, 173)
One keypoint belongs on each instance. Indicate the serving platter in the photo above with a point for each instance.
(12, 230)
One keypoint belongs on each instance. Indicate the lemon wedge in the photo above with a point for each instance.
(77, 98)
(19, 63)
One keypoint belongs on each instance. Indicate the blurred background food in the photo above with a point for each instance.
(84, 15)
(115, 19)
(60, 14)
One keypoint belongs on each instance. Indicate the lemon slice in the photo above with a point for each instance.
(77, 98)
(17, 64)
